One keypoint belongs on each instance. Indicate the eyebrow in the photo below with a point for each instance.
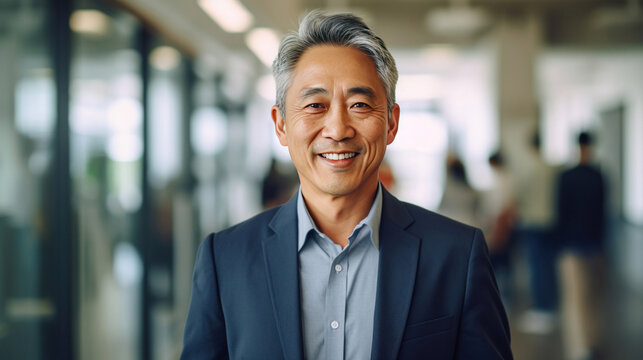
(312, 91)
(358, 90)
(362, 90)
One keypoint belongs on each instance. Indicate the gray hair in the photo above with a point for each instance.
(318, 28)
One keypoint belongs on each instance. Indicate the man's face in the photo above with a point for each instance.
(337, 124)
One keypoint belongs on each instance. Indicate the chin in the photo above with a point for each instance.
(334, 186)
(337, 189)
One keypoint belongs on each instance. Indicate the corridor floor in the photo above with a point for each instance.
(621, 335)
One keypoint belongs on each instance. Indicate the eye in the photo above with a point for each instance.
(314, 108)
(361, 105)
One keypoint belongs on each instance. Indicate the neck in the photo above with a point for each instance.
(585, 155)
(337, 216)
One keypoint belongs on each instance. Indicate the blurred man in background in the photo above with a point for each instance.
(581, 226)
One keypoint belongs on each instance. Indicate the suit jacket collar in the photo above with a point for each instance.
(399, 254)
(396, 277)
(280, 254)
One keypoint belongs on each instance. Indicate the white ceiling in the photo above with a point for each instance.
(401, 23)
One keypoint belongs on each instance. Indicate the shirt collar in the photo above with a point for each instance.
(372, 220)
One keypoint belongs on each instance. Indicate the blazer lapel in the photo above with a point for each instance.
(396, 278)
(280, 252)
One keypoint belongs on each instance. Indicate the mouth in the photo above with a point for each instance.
(339, 156)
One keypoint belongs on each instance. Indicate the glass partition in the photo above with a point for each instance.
(27, 116)
(106, 115)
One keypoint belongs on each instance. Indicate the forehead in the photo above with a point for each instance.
(330, 65)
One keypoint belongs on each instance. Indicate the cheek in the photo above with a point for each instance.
(299, 143)
(303, 133)
(377, 134)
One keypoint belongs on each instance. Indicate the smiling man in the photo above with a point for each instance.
(344, 270)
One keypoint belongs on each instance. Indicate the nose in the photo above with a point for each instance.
(337, 125)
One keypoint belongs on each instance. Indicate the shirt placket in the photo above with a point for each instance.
(336, 307)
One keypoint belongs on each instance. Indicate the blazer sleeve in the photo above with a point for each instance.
(484, 329)
(205, 335)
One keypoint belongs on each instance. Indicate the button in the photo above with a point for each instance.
(338, 268)
(334, 325)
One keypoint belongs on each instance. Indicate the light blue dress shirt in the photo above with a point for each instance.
(338, 286)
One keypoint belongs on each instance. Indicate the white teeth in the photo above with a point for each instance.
(342, 156)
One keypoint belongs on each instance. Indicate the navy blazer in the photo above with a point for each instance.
(436, 299)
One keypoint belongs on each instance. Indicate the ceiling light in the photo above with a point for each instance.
(91, 22)
(165, 58)
(457, 21)
(230, 15)
(264, 43)
(266, 87)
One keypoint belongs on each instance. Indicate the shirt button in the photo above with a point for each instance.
(334, 324)
(338, 268)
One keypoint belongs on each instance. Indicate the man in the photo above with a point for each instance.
(581, 226)
(343, 270)
(498, 220)
(536, 211)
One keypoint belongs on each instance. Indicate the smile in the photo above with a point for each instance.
(338, 156)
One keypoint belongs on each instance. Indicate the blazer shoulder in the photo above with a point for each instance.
(253, 228)
(439, 234)
(428, 220)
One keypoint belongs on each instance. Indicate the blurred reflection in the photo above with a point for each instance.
(106, 152)
(27, 113)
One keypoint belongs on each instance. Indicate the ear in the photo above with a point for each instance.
(393, 122)
(280, 125)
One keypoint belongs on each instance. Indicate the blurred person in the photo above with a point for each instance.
(581, 225)
(387, 178)
(459, 201)
(343, 270)
(497, 219)
(535, 201)
(277, 186)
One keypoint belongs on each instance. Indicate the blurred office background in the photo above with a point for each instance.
(129, 129)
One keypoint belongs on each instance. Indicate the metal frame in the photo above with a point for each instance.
(63, 241)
